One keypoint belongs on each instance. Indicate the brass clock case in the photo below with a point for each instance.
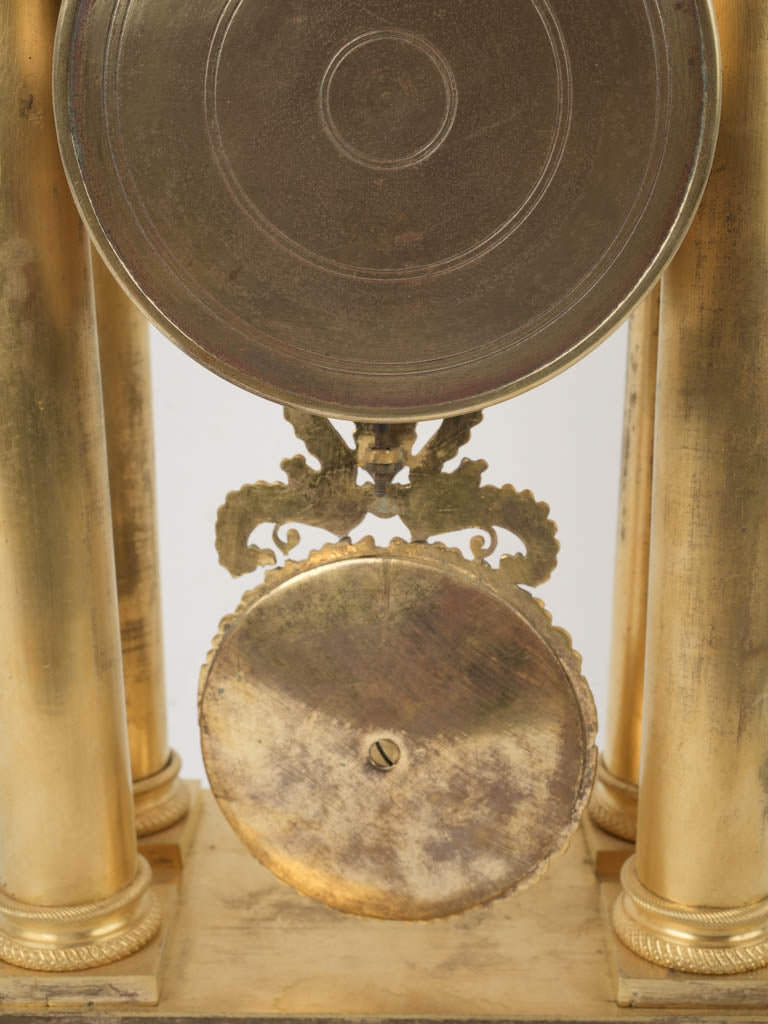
(394, 210)
(397, 732)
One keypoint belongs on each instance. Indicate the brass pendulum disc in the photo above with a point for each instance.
(391, 210)
(398, 732)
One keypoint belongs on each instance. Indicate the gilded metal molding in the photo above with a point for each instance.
(703, 940)
(79, 937)
(160, 800)
(434, 502)
(614, 804)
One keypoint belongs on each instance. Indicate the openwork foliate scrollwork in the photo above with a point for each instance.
(433, 502)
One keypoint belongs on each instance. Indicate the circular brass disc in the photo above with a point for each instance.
(398, 735)
(387, 210)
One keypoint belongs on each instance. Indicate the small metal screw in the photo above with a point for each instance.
(384, 755)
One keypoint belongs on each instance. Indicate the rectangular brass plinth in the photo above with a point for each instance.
(244, 947)
(133, 982)
(136, 980)
(642, 984)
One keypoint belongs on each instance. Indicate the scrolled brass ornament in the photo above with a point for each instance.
(432, 503)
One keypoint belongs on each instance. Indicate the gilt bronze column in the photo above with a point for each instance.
(73, 892)
(614, 802)
(159, 796)
(695, 897)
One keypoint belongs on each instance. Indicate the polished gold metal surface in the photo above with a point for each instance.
(494, 726)
(702, 847)
(83, 936)
(387, 211)
(696, 940)
(126, 389)
(66, 818)
(137, 981)
(160, 800)
(614, 802)
(134, 981)
(641, 984)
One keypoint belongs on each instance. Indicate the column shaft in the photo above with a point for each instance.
(614, 804)
(695, 893)
(66, 817)
(125, 369)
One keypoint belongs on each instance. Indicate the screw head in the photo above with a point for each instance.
(384, 755)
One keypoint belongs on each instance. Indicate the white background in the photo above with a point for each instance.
(562, 441)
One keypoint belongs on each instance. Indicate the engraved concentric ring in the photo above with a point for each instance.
(559, 130)
(403, 259)
(403, 41)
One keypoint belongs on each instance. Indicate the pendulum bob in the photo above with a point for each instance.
(73, 892)
(373, 212)
(399, 733)
(614, 803)
(413, 663)
(695, 896)
(160, 799)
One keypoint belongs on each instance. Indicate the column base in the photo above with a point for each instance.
(696, 941)
(79, 937)
(244, 947)
(161, 799)
(614, 804)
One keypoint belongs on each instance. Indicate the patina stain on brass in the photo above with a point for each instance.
(392, 210)
(400, 733)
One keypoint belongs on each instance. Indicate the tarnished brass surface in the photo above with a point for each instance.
(126, 390)
(391, 210)
(67, 842)
(614, 803)
(433, 502)
(702, 846)
(461, 670)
